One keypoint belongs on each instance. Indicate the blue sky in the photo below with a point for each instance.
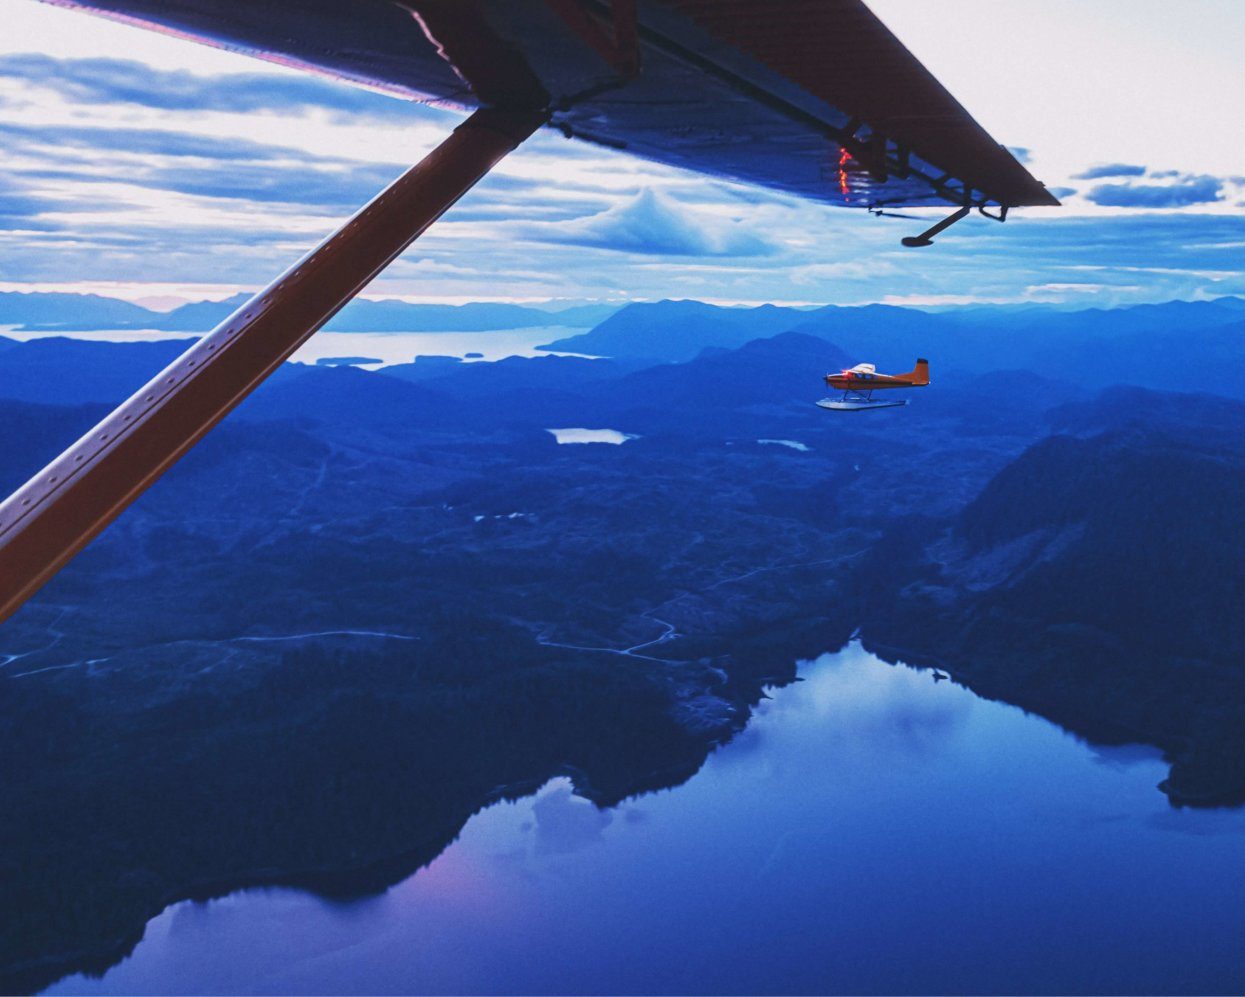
(155, 169)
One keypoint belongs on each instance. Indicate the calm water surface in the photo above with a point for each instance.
(871, 831)
(581, 435)
(386, 347)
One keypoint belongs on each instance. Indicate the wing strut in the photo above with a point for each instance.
(55, 514)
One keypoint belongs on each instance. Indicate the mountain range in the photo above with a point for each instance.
(1189, 346)
(59, 311)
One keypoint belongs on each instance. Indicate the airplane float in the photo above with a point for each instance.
(860, 382)
(812, 98)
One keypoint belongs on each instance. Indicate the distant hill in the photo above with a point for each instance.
(198, 316)
(1201, 419)
(1078, 345)
(1179, 344)
(31, 434)
(400, 316)
(87, 312)
(485, 380)
(1000, 400)
(677, 330)
(1099, 581)
(775, 371)
(59, 370)
(52, 310)
(346, 398)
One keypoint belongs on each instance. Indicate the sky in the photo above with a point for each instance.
(152, 168)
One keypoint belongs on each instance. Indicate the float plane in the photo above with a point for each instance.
(816, 100)
(860, 382)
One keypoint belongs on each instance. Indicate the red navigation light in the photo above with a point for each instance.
(845, 157)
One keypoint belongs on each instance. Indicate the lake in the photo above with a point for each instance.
(580, 435)
(871, 830)
(385, 347)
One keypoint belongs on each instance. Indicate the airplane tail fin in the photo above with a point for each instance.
(920, 373)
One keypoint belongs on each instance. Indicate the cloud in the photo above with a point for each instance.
(1062, 290)
(318, 187)
(123, 81)
(1110, 170)
(655, 224)
(23, 209)
(1132, 257)
(200, 166)
(870, 269)
(18, 209)
(144, 141)
(1186, 191)
(557, 220)
(1172, 255)
(848, 258)
(1063, 193)
(1022, 154)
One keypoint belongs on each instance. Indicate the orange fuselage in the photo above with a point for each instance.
(871, 380)
(850, 380)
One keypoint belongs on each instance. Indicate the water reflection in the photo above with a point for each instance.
(564, 822)
(871, 831)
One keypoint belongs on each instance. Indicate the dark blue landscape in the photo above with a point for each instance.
(426, 684)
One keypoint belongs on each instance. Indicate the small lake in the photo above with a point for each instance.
(581, 435)
(789, 444)
(871, 831)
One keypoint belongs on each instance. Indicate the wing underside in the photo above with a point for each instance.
(814, 98)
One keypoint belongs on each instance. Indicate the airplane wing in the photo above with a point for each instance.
(814, 98)
(811, 97)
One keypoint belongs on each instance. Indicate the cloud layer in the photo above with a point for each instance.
(1182, 192)
(1110, 170)
(113, 171)
(126, 82)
